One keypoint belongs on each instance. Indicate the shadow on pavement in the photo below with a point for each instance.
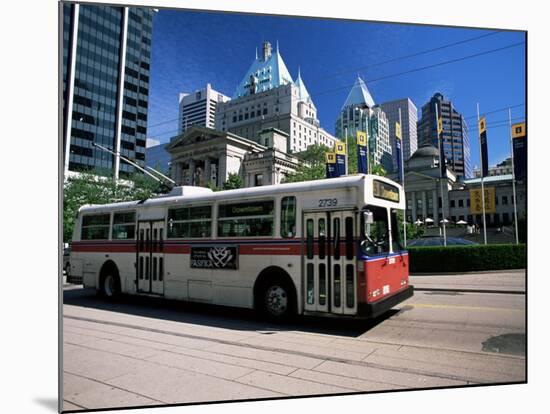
(218, 316)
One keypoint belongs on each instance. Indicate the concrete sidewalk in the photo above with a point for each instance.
(501, 281)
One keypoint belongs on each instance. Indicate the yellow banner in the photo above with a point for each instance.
(397, 130)
(482, 125)
(362, 138)
(340, 148)
(476, 203)
(439, 126)
(518, 130)
(330, 157)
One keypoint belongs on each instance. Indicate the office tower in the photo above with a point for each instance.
(106, 69)
(199, 108)
(409, 119)
(456, 143)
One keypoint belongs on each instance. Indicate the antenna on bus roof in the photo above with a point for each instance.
(166, 182)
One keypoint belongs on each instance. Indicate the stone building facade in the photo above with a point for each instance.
(427, 198)
(205, 157)
(267, 97)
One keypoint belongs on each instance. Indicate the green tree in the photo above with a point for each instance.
(96, 187)
(315, 169)
(233, 182)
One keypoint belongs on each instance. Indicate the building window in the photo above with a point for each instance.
(461, 203)
(258, 180)
(452, 204)
(504, 200)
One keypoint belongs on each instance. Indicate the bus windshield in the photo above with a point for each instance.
(375, 238)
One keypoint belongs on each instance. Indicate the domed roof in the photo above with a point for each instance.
(426, 150)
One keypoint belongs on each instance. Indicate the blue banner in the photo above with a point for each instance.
(362, 153)
(340, 159)
(331, 165)
(483, 145)
(519, 145)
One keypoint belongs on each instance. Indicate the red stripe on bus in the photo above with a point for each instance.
(264, 249)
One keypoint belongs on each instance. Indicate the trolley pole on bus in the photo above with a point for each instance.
(513, 177)
(482, 187)
(156, 178)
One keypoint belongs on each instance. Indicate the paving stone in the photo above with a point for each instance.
(179, 386)
(290, 386)
(95, 395)
(203, 366)
(345, 382)
(283, 358)
(404, 379)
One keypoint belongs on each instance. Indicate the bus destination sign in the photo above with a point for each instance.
(214, 257)
(385, 191)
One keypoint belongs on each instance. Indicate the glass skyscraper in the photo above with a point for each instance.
(106, 65)
(456, 142)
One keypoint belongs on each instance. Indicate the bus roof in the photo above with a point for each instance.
(189, 193)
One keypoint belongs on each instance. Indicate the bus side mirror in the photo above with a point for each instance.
(368, 217)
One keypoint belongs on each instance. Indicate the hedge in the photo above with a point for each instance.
(467, 258)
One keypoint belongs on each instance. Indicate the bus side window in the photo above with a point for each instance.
(336, 233)
(322, 238)
(288, 217)
(309, 238)
(349, 238)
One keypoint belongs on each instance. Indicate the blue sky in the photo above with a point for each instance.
(190, 49)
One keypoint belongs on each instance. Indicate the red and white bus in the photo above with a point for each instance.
(325, 247)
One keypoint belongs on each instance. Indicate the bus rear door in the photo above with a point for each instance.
(150, 257)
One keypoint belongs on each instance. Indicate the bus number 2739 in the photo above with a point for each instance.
(328, 202)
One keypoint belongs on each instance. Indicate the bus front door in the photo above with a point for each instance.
(329, 262)
(150, 257)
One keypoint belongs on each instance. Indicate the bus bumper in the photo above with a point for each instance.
(372, 310)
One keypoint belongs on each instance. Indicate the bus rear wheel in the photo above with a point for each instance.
(277, 301)
(110, 286)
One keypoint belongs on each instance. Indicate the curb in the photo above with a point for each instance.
(524, 271)
(492, 291)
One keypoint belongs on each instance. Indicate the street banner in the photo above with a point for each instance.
(519, 144)
(362, 153)
(330, 162)
(476, 202)
(442, 160)
(483, 145)
(340, 150)
(398, 148)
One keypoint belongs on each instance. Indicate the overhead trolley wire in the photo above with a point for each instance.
(423, 52)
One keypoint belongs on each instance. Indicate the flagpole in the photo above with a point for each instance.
(346, 153)
(402, 167)
(368, 142)
(441, 176)
(482, 186)
(513, 177)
